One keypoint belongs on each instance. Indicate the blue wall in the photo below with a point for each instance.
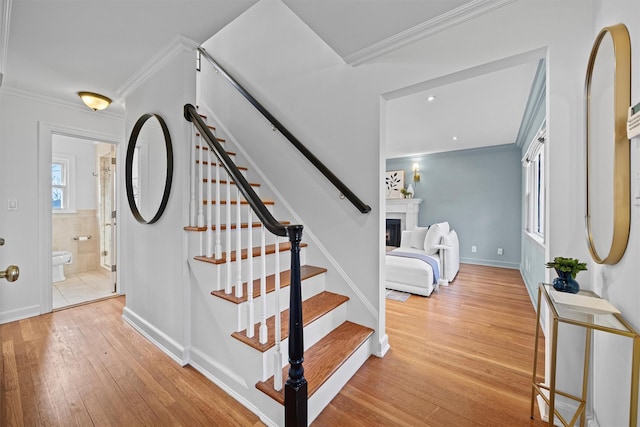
(479, 192)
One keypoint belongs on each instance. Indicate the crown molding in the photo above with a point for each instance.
(442, 22)
(43, 99)
(178, 44)
(5, 9)
(461, 152)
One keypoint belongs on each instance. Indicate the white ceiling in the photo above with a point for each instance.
(349, 26)
(59, 47)
(479, 111)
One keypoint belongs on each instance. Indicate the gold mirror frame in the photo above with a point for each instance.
(621, 156)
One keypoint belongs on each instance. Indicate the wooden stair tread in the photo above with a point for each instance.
(269, 249)
(235, 202)
(242, 168)
(224, 226)
(224, 182)
(306, 272)
(323, 359)
(312, 309)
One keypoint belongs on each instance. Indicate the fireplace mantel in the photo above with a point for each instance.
(406, 210)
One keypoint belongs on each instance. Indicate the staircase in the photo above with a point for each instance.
(243, 272)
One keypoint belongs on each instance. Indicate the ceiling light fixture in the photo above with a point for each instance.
(455, 138)
(94, 101)
(431, 98)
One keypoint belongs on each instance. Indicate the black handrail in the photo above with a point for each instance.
(273, 225)
(344, 190)
(295, 389)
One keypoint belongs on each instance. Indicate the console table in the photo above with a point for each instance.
(606, 322)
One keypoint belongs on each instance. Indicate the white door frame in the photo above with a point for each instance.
(45, 136)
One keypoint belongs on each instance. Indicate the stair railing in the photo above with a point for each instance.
(295, 388)
(344, 190)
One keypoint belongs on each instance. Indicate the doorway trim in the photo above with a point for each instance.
(43, 251)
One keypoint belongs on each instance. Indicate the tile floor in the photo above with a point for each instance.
(82, 287)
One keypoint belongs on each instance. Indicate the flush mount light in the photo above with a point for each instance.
(455, 138)
(431, 98)
(94, 101)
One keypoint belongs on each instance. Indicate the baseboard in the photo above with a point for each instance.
(491, 263)
(563, 407)
(381, 346)
(205, 365)
(529, 287)
(161, 340)
(19, 314)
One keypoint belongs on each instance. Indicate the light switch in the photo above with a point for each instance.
(12, 205)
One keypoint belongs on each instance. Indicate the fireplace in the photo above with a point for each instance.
(393, 233)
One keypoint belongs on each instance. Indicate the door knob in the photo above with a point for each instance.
(11, 273)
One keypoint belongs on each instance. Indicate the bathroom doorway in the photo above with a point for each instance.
(83, 191)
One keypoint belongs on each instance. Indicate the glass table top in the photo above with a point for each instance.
(585, 309)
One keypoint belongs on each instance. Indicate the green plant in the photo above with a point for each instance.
(405, 193)
(567, 265)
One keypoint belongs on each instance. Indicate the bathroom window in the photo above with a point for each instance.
(62, 183)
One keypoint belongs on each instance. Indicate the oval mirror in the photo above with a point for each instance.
(149, 168)
(607, 99)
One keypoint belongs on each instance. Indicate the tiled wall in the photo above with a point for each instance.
(86, 253)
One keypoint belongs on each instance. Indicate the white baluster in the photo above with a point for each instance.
(200, 191)
(263, 286)
(238, 243)
(250, 308)
(209, 232)
(227, 289)
(218, 249)
(277, 356)
(192, 199)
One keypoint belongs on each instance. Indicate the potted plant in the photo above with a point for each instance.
(407, 194)
(567, 269)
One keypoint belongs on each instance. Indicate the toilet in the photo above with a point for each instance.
(60, 258)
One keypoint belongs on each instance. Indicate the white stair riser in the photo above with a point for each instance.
(313, 333)
(321, 398)
(223, 190)
(244, 209)
(197, 239)
(310, 287)
(337, 381)
(206, 278)
(207, 271)
(209, 163)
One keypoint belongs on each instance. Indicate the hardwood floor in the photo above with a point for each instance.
(84, 366)
(461, 357)
(458, 358)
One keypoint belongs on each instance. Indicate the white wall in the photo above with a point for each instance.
(152, 256)
(618, 283)
(23, 118)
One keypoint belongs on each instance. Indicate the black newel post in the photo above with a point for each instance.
(295, 389)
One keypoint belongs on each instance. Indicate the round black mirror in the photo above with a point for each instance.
(149, 168)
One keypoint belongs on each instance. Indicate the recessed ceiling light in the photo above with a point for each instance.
(455, 138)
(431, 98)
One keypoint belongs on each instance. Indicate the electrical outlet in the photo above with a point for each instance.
(474, 249)
(499, 251)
